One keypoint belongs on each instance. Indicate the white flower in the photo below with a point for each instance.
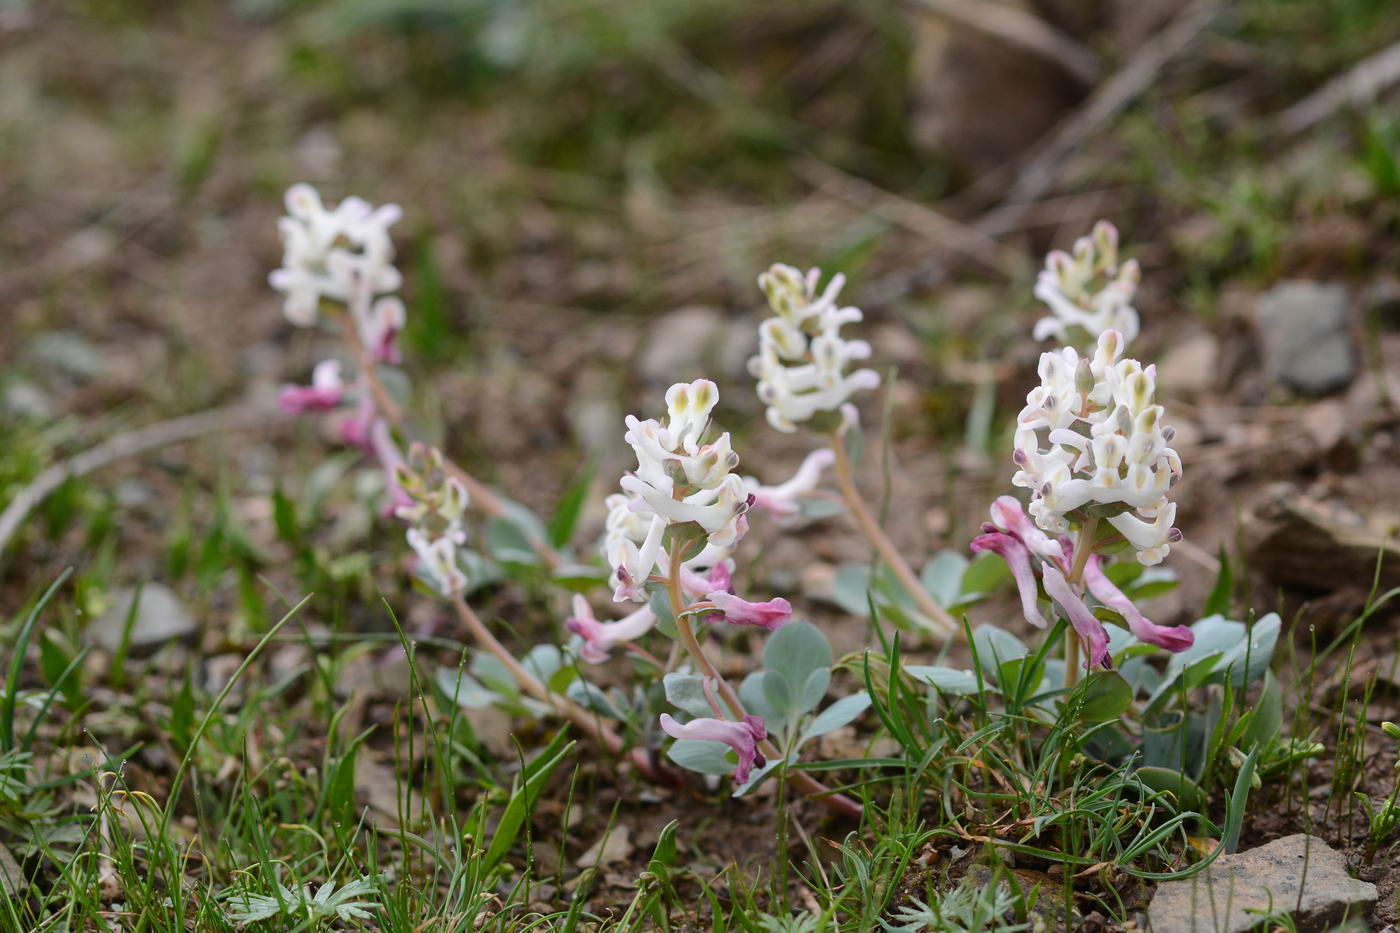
(437, 560)
(1091, 441)
(802, 360)
(784, 501)
(678, 480)
(1068, 285)
(343, 255)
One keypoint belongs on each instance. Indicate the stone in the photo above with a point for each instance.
(613, 847)
(161, 616)
(1298, 875)
(1304, 327)
(1191, 366)
(696, 341)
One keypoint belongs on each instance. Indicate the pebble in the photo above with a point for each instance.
(1298, 875)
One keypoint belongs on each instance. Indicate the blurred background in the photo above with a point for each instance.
(591, 187)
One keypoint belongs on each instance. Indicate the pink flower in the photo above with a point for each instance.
(1010, 517)
(385, 325)
(601, 637)
(1090, 629)
(743, 737)
(1018, 559)
(769, 615)
(784, 501)
(1173, 638)
(325, 392)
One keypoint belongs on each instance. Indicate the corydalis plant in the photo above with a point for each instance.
(805, 378)
(1087, 290)
(1092, 448)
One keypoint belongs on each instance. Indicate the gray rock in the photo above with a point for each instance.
(1306, 337)
(160, 617)
(1299, 875)
(696, 341)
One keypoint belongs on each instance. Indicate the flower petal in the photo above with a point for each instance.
(1173, 638)
(1018, 559)
(1089, 628)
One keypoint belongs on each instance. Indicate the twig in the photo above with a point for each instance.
(1037, 175)
(126, 444)
(939, 617)
(916, 218)
(1026, 30)
(481, 495)
(1360, 84)
(801, 780)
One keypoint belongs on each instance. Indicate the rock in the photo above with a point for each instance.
(614, 847)
(955, 70)
(160, 617)
(1298, 540)
(1306, 339)
(696, 341)
(1047, 911)
(1298, 875)
(72, 354)
(1191, 366)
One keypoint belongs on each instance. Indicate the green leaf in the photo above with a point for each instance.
(1186, 792)
(340, 791)
(687, 692)
(984, 574)
(570, 507)
(1218, 602)
(755, 701)
(704, 757)
(593, 698)
(942, 577)
(689, 537)
(778, 692)
(795, 650)
(1103, 696)
(527, 789)
(838, 714)
(1266, 718)
(667, 853)
(946, 679)
(850, 589)
(507, 543)
(580, 578)
(284, 517)
(995, 646)
(56, 664)
(813, 691)
(1249, 659)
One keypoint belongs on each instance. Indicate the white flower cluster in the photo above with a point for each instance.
(802, 358)
(678, 480)
(1091, 442)
(343, 255)
(434, 505)
(1068, 285)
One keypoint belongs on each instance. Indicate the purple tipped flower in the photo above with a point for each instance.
(1173, 638)
(769, 615)
(325, 392)
(1090, 629)
(1018, 559)
(601, 637)
(743, 737)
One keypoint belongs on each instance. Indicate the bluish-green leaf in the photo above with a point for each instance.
(946, 679)
(687, 692)
(795, 650)
(838, 714)
(704, 757)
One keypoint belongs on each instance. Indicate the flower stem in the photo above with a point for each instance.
(802, 781)
(1083, 548)
(565, 707)
(479, 493)
(942, 620)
